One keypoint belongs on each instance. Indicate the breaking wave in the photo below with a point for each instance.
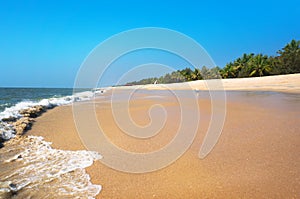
(30, 168)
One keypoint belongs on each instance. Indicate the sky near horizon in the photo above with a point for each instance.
(43, 43)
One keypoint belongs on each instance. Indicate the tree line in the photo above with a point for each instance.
(286, 61)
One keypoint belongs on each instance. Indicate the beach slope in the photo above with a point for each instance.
(257, 155)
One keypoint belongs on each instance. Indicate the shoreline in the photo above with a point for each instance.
(256, 156)
(23, 169)
(57, 126)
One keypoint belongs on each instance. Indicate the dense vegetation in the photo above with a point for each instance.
(287, 61)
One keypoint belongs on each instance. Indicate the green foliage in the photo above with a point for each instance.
(259, 65)
(248, 65)
(288, 60)
(184, 75)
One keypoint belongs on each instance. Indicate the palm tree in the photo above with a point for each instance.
(230, 71)
(290, 57)
(259, 66)
(241, 65)
(291, 48)
(215, 72)
(187, 74)
(176, 76)
(196, 74)
(205, 72)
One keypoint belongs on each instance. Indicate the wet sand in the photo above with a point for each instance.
(257, 155)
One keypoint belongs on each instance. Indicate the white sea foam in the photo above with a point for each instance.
(6, 130)
(5, 105)
(48, 103)
(30, 167)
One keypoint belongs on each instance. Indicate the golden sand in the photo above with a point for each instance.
(257, 155)
(282, 83)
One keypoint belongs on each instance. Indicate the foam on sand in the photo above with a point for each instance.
(13, 113)
(31, 168)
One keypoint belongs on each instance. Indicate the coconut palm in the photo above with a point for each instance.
(205, 72)
(176, 76)
(241, 65)
(290, 57)
(187, 74)
(196, 74)
(230, 71)
(259, 66)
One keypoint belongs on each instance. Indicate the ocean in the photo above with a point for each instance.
(12, 96)
(29, 166)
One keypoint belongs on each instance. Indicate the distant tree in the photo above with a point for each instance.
(289, 58)
(196, 75)
(229, 71)
(259, 66)
(215, 73)
(187, 74)
(177, 76)
(275, 65)
(248, 65)
(242, 64)
(205, 72)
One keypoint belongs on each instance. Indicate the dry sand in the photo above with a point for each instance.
(257, 155)
(282, 83)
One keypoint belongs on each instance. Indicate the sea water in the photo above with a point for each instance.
(29, 166)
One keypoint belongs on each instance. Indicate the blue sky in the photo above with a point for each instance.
(43, 43)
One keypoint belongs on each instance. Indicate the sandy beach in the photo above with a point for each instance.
(280, 83)
(257, 155)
